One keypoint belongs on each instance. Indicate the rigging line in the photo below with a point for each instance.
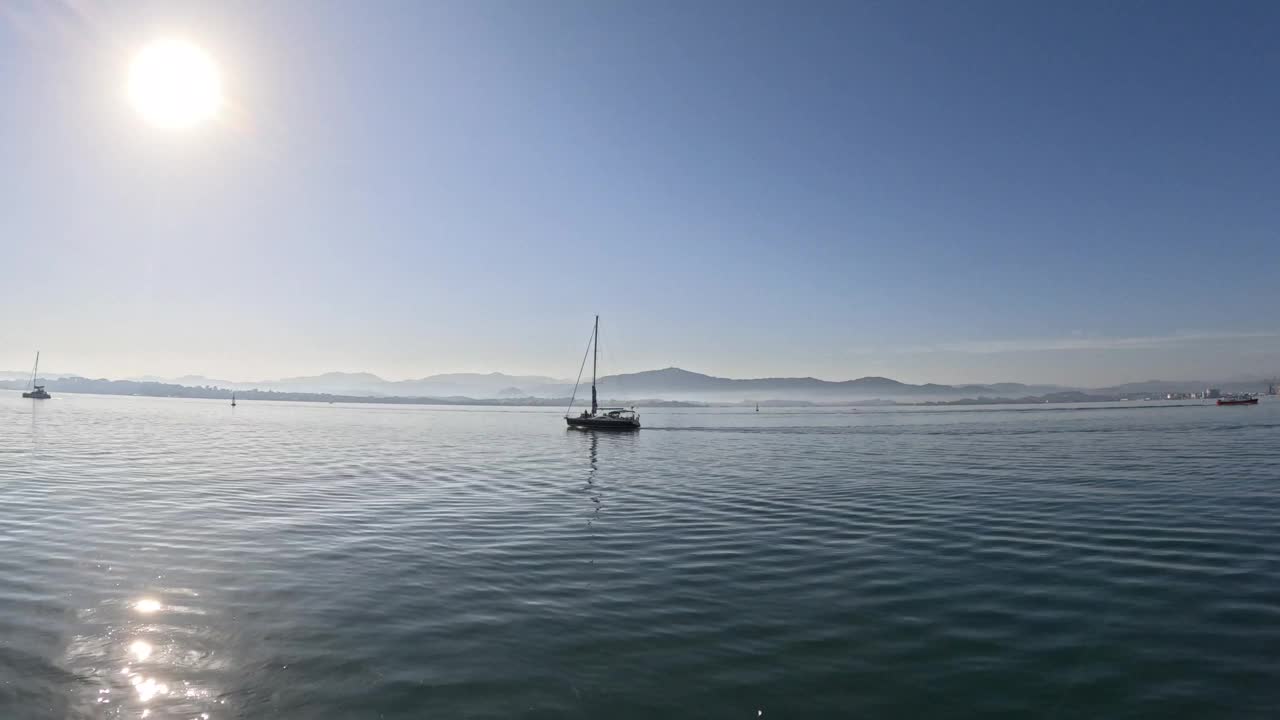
(580, 369)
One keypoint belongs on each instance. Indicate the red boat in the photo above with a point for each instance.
(1238, 400)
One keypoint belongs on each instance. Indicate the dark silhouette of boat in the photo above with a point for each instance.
(606, 419)
(1238, 400)
(598, 418)
(37, 392)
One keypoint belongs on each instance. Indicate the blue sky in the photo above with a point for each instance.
(1079, 193)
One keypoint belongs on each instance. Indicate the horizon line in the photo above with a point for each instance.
(174, 379)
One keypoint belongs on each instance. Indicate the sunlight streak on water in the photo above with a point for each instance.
(140, 650)
(148, 687)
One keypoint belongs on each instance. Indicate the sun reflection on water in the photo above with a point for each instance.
(137, 651)
(148, 687)
(140, 650)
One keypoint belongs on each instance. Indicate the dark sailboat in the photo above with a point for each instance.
(36, 392)
(1238, 400)
(233, 399)
(599, 418)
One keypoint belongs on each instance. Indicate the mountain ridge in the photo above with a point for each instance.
(671, 383)
(678, 383)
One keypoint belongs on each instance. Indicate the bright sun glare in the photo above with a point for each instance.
(174, 84)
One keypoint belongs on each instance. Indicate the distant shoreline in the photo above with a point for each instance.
(82, 386)
(131, 388)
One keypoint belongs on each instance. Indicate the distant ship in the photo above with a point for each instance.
(598, 418)
(37, 391)
(1238, 400)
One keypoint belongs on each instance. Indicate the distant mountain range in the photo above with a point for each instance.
(678, 384)
(474, 385)
(671, 383)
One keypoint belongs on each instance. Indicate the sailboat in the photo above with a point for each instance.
(599, 418)
(37, 391)
(233, 398)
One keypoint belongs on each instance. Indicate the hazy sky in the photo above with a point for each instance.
(939, 191)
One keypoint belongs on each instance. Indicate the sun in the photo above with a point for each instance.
(174, 84)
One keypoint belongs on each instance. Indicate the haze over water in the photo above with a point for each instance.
(178, 558)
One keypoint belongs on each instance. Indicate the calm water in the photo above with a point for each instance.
(180, 559)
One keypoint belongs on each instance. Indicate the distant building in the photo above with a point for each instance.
(1212, 393)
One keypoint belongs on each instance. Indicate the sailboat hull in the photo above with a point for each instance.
(599, 423)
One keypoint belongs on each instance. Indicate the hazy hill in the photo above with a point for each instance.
(338, 383)
(676, 383)
(670, 384)
(485, 385)
(475, 385)
(144, 388)
(1160, 387)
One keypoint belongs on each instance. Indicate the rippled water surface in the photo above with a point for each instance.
(181, 559)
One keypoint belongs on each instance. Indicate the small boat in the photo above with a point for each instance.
(36, 392)
(233, 399)
(598, 418)
(1238, 400)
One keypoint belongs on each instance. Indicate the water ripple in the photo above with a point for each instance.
(178, 559)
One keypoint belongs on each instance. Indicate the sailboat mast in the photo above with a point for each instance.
(595, 357)
(35, 369)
